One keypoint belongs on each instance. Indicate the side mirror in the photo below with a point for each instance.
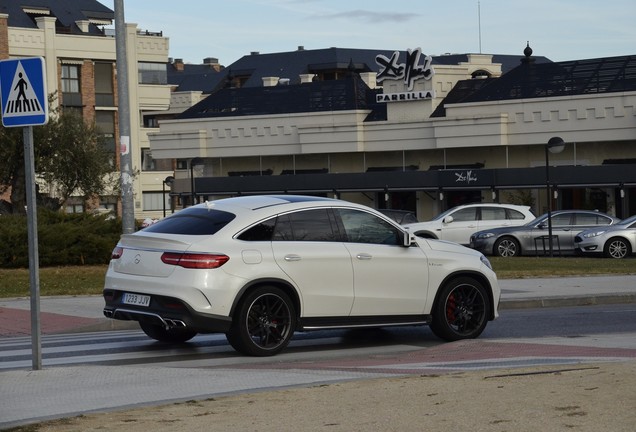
(447, 219)
(407, 239)
(542, 225)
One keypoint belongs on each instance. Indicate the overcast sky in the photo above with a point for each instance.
(227, 30)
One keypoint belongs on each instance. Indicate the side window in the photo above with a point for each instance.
(493, 213)
(465, 215)
(363, 227)
(592, 219)
(514, 214)
(261, 232)
(561, 220)
(307, 225)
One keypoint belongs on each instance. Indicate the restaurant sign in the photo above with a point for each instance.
(409, 71)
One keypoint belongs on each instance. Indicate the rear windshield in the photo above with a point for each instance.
(192, 221)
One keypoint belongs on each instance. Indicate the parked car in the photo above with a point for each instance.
(259, 268)
(458, 223)
(533, 238)
(402, 217)
(614, 241)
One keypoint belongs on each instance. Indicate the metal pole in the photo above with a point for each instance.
(163, 196)
(549, 191)
(192, 183)
(32, 230)
(126, 179)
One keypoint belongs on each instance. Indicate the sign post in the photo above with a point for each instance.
(24, 103)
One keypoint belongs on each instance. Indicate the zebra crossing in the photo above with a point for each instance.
(130, 347)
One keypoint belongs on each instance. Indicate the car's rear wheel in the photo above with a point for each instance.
(264, 322)
(170, 335)
(461, 311)
(617, 248)
(507, 247)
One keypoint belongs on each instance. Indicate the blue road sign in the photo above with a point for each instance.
(23, 92)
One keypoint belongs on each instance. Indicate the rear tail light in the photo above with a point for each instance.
(194, 260)
(117, 253)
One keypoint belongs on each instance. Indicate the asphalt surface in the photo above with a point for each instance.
(29, 396)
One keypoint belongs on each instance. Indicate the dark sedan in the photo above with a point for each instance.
(533, 239)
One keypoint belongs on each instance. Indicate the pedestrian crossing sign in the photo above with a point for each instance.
(23, 92)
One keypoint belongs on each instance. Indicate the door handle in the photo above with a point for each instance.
(364, 256)
(292, 258)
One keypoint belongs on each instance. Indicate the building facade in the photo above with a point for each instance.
(405, 130)
(80, 58)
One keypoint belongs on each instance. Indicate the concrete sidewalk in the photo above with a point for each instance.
(30, 396)
(70, 314)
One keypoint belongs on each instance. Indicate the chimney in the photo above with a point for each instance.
(370, 79)
(83, 25)
(270, 81)
(178, 64)
(306, 78)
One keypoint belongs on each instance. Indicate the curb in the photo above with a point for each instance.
(567, 301)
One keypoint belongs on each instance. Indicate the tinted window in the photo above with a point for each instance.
(193, 221)
(592, 219)
(308, 225)
(465, 215)
(514, 214)
(261, 232)
(493, 213)
(560, 220)
(363, 227)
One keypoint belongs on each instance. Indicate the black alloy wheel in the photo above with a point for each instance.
(462, 310)
(264, 323)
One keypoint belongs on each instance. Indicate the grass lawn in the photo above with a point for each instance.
(87, 280)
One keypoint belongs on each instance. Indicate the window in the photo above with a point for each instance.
(74, 208)
(514, 214)
(560, 220)
(193, 221)
(150, 164)
(261, 232)
(153, 201)
(104, 95)
(308, 225)
(147, 164)
(71, 95)
(70, 79)
(363, 227)
(591, 219)
(105, 122)
(493, 213)
(465, 215)
(152, 73)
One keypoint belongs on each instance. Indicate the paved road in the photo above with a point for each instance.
(54, 392)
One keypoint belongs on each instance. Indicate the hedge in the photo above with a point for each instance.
(63, 239)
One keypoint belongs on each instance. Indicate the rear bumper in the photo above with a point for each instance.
(164, 311)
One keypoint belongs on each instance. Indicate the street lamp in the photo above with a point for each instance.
(555, 145)
(168, 181)
(194, 162)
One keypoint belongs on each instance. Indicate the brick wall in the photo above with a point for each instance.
(4, 37)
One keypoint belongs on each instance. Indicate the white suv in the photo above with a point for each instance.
(259, 268)
(459, 223)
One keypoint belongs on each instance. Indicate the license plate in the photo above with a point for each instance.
(135, 299)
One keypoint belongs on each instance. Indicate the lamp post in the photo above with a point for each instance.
(168, 181)
(554, 145)
(194, 162)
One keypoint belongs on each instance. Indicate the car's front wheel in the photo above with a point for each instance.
(507, 247)
(264, 322)
(617, 248)
(461, 311)
(170, 335)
